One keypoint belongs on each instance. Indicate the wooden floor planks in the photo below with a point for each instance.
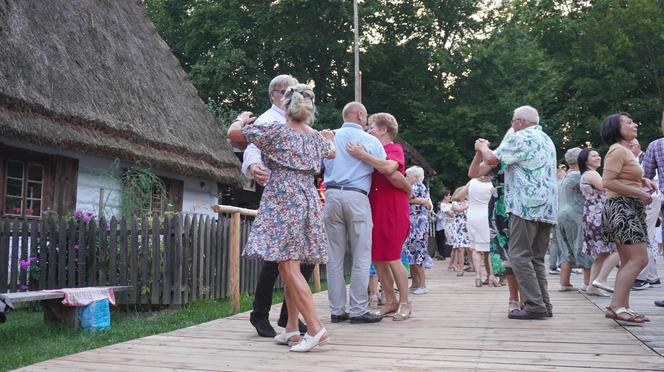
(456, 326)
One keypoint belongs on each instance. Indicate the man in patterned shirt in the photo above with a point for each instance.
(531, 199)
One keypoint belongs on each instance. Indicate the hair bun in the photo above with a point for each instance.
(299, 103)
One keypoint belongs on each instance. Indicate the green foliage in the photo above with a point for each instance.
(450, 71)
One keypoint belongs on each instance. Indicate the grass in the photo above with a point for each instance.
(25, 339)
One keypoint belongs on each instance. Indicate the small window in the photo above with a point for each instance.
(24, 189)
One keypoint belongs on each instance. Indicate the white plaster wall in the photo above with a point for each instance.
(95, 174)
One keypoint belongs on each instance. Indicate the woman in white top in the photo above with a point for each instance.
(479, 194)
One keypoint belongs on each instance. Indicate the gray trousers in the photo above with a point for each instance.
(348, 222)
(527, 247)
(652, 212)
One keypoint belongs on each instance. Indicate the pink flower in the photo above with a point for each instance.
(29, 212)
(78, 214)
(17, 210)
(87, 216)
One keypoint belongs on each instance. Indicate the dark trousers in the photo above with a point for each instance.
(444, 250)
(265, 286)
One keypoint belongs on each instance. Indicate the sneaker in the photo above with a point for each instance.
(640, 284)
(412, 290)
(566, 288)
(655, 283)
(583, 287)
(577, 271)
(555, 272)
(420, 291)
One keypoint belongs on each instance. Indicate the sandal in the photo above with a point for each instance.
(623, 315)
(388, 310)
(284, 338)
(493, 282)
(513, 306)
(459, 273)
(478, 282)
(403, 312)
(373, 302)
(645, 318)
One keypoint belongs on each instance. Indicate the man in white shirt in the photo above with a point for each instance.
(253, 167)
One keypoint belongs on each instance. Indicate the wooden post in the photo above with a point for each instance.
(316, 278)
(234, 262)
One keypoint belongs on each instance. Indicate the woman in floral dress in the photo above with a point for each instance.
(594, 197)
(418, 237)
(289, 226)
(460, 241)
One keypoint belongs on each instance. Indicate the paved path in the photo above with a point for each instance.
(455, 327)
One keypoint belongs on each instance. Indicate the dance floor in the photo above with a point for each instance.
(456, 326)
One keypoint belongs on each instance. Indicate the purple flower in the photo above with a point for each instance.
(75, 247)
(23, 287)
(78, 214)
(33, 259)
(25, 264)
(87, 216)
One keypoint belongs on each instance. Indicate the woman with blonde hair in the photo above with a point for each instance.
(289, 226)
(390, 213)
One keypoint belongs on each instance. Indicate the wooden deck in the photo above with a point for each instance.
(455, 327)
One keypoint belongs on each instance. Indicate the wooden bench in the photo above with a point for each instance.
(54, 310)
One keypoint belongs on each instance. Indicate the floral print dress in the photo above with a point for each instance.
(460, 226)
(289, 224)
(418, 236)
(593, 240)
(499, 221)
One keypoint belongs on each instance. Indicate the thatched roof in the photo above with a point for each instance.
(95, 77)
(415, 157)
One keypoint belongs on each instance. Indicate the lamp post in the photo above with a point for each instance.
(358, 74)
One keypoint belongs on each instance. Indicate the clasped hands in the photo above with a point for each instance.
(481, 142)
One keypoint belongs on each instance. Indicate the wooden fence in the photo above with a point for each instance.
(169, 260)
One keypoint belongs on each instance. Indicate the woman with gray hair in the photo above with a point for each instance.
(417, 243)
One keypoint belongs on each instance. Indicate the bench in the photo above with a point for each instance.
(54, 310)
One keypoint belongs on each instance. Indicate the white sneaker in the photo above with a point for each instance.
(577, 271)
(412, 290)
(565, 288)
(420, 291)
(309, 342)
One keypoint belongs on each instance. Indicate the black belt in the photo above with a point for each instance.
(347, 188)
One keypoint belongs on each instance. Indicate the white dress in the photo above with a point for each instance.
(479, 194)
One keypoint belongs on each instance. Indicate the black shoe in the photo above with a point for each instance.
(300, 325)
(523, 314)
(339, 318)
(263, 327)
(549, 314)
(659, 303)
(655, 283)
(366, 318)
(640, 284)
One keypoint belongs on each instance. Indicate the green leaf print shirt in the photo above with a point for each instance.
(531, 190)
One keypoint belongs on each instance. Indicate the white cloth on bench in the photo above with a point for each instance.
(85, 296)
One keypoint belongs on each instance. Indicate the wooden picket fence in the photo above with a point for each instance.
(169, 260)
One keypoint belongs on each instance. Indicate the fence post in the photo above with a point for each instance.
(234, 262)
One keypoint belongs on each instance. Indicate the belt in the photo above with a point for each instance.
(347, 188)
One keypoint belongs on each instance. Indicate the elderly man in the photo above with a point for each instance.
(569, 231)
(253, 167)
(531, 199)
(347, 217)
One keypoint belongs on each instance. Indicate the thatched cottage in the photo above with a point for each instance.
(85, 85)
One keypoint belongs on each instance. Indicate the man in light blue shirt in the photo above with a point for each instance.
(347, 217)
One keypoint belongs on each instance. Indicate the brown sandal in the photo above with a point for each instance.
(624, 315)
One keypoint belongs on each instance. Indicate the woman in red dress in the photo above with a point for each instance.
(390, 213)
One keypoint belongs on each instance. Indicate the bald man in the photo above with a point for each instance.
(347, 217)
